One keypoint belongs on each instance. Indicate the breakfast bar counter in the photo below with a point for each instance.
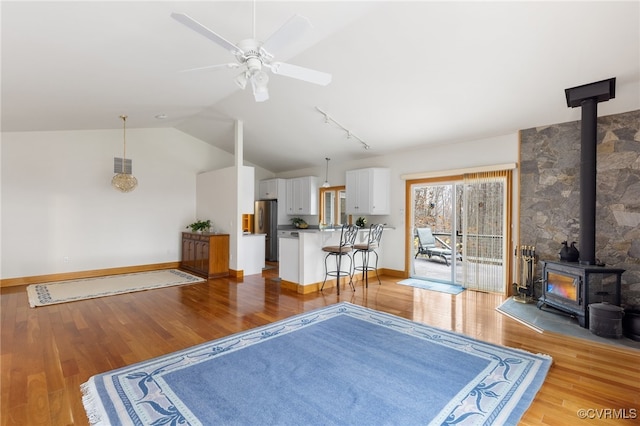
(301, 259)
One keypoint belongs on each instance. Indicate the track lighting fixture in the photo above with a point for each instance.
(328, 118)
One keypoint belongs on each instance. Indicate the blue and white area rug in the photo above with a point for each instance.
(339, 365)
(89, 288)
(432, 285)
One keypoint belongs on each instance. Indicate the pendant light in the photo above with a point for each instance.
(326, 176)
(124, 182)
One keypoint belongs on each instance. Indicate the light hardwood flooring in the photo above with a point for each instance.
(48, 352)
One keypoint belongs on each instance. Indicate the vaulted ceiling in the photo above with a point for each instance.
(404, 74)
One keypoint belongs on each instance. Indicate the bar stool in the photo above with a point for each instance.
(373, 242)
(347, 239)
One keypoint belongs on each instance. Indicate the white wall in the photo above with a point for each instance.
(57, 199)
(217, 198)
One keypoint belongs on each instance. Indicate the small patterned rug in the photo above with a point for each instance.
(432, 285)
(89, 288)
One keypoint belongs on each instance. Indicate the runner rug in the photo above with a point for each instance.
(339, 365)
(89, 288)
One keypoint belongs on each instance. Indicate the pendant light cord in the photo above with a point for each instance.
(326, 175)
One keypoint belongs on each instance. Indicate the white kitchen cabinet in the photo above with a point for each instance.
(368, 191)
(272, 189)
(302, 196)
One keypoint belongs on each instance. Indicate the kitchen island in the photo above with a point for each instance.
(301, 259)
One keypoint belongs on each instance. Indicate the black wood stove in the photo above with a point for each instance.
(572, 286)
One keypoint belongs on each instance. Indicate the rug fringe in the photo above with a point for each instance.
(32, 296)
(91, 403)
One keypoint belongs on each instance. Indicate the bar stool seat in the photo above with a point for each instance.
(345, 248)
(373, 242)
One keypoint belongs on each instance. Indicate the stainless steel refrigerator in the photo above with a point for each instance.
(266, 222)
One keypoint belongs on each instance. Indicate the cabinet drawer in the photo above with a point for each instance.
(195, 237)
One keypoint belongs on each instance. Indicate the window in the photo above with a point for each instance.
(333, 206)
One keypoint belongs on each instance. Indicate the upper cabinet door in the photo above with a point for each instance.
(269, 189)
(302, 196)
(368, 191)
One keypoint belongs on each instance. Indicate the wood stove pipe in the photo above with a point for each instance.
(588, 96)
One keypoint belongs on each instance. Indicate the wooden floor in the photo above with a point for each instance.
(48, 352)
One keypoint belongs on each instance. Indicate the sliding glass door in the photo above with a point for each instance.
(436, 230)
(486, 207)
(460, 231)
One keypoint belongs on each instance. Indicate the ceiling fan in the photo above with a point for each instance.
(253, 56)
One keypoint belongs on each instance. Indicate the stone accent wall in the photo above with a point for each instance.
(550, 190)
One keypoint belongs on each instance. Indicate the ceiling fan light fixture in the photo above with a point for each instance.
(261, 78)
(261, 96)
(260, 91)
(259, 81)
(241, 80)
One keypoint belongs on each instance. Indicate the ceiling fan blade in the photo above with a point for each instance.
(202, 30)
(301, 73)
(208, 67)
(287, 33)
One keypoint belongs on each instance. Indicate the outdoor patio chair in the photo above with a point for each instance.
(427, 246)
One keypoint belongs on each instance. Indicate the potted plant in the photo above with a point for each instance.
(299, 222)
(361, 222)
(200, 226)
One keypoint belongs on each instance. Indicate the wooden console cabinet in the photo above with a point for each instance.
(205, 254)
